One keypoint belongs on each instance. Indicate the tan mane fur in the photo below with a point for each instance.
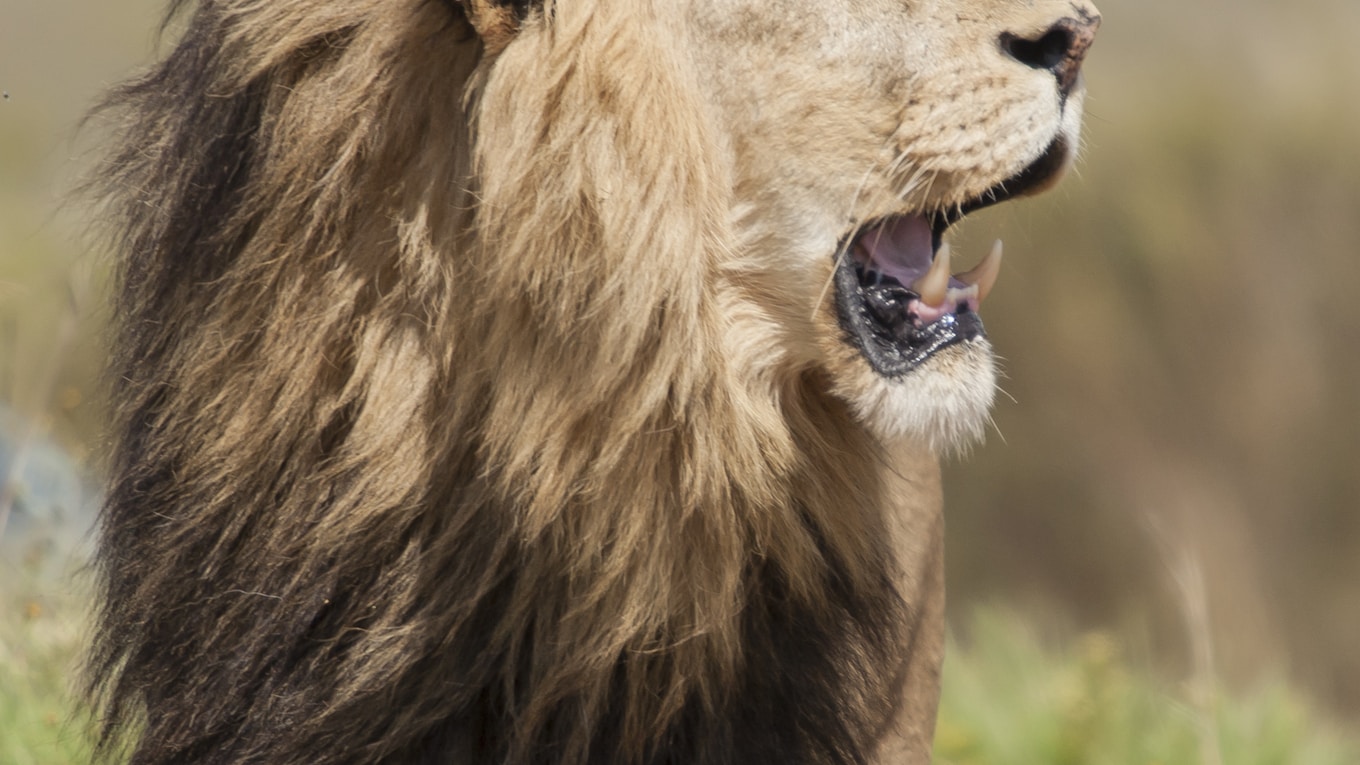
(398, 369)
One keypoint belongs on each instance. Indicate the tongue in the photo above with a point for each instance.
(900, 247)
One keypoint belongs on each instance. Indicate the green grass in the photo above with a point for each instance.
(40, 634)
(1009, 699)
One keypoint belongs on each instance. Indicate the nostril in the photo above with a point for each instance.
(1059, 50)
(1047, 52)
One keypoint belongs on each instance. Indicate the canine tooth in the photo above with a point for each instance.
(934, 285)
(959, 296)
(984, 274)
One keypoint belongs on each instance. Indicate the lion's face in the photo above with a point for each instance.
(858, 132)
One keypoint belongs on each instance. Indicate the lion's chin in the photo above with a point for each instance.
(944, 403)
(924, 369)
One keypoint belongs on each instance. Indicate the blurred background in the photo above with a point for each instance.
(1182, 338)
(1174, 461)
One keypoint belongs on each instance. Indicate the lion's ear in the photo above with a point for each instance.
(496, 21)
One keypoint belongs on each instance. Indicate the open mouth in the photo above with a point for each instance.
(895, 296)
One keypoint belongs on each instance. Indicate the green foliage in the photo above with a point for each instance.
(1011, 700)
(40, 634)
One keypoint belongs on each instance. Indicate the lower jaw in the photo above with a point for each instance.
(894, 351)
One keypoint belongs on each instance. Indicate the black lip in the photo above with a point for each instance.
(872, 316)
(892, 345)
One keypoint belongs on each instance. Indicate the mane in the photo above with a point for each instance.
(431, 436)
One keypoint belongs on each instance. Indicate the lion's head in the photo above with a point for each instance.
(847, 138)
(509, 380)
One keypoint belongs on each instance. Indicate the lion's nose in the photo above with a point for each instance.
(1060, 49)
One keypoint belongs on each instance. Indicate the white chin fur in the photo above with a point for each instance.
(945, 403)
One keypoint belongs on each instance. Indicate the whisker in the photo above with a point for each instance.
(843, 248)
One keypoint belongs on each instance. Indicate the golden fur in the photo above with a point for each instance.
(480, 399)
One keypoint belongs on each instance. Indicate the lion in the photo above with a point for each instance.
(552, 381)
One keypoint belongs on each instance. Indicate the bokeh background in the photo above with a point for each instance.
(1182, 338)
(1175, 461)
